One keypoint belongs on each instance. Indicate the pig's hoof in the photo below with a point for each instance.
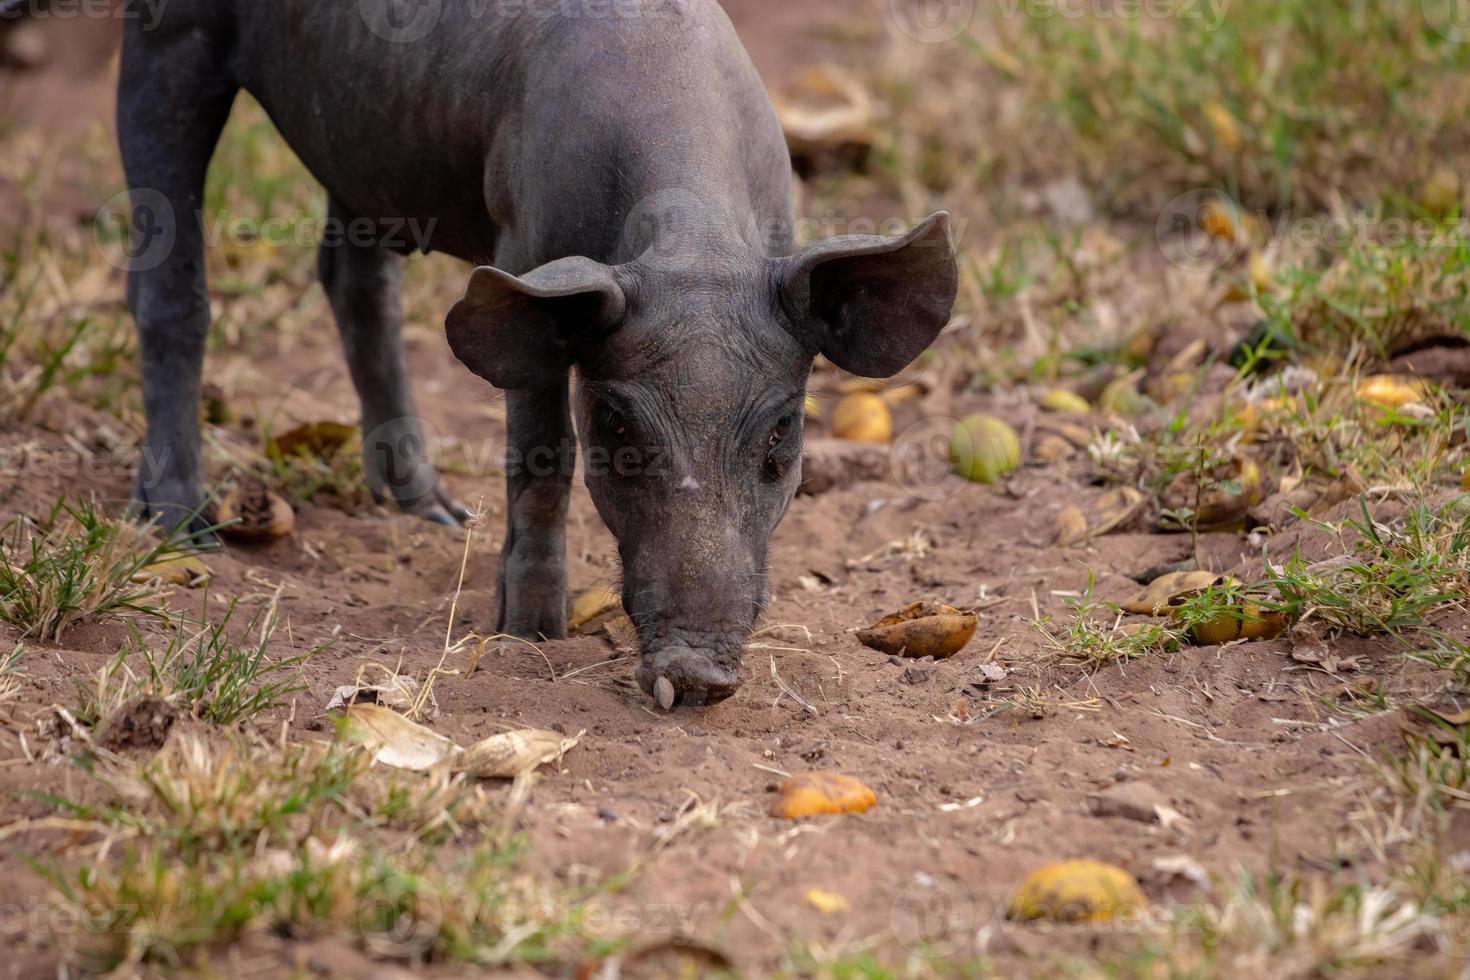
(437, 507)
(663, 693)
(687, 678)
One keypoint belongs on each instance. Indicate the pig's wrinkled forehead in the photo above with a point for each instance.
(698, 343)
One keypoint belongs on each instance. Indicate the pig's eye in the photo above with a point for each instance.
(779, 433)
(615, 423)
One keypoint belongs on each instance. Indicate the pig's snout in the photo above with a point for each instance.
(683, 675)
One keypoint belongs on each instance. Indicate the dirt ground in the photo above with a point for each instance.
(973, 789)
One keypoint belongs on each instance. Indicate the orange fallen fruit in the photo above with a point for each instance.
(862, 417)
(921, 629)
(810, 794)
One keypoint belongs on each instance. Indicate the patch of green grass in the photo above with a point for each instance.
(1375, 294)
(200, 668)
(1392, 577)
(77, 565)
(1280, 103)
(229, 836)
(1096, 636)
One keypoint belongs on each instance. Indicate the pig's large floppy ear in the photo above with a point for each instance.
(872, 304)
(522, 331)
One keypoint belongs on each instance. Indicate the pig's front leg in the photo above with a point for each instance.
(538, 475)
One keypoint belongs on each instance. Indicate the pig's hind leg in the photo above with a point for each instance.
(361, 280)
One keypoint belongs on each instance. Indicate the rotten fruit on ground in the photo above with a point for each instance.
(862, 417)
(1156, 596)
(810, 794)
(252, 513)
(1103, 514)
(983, 448)
(590, 605)
(1247, 621)
(921, 629)
(1077, 891)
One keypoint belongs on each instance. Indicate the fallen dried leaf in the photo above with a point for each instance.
(512, 754)
(319, 439)
(396, 741)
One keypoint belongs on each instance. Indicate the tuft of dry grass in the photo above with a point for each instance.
(75, 565)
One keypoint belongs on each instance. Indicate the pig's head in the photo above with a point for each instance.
(690, 392)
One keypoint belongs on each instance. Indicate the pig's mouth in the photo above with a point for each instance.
(680, 675)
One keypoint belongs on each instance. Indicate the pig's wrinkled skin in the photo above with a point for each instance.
(617, 170)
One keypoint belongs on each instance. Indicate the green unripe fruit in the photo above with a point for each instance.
(982, 448)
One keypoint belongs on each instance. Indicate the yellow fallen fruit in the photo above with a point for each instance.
(1389, 390)
(178, 570)
(1465, 479)
(589, 606)
(921, 629)
(809, 794)
(1247, 622)
(1077, 891)
(982, 448)
(1062, 400)
(862, 417)
(1154, 599)
(826, 902)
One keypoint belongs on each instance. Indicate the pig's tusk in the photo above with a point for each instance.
(663, 692)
